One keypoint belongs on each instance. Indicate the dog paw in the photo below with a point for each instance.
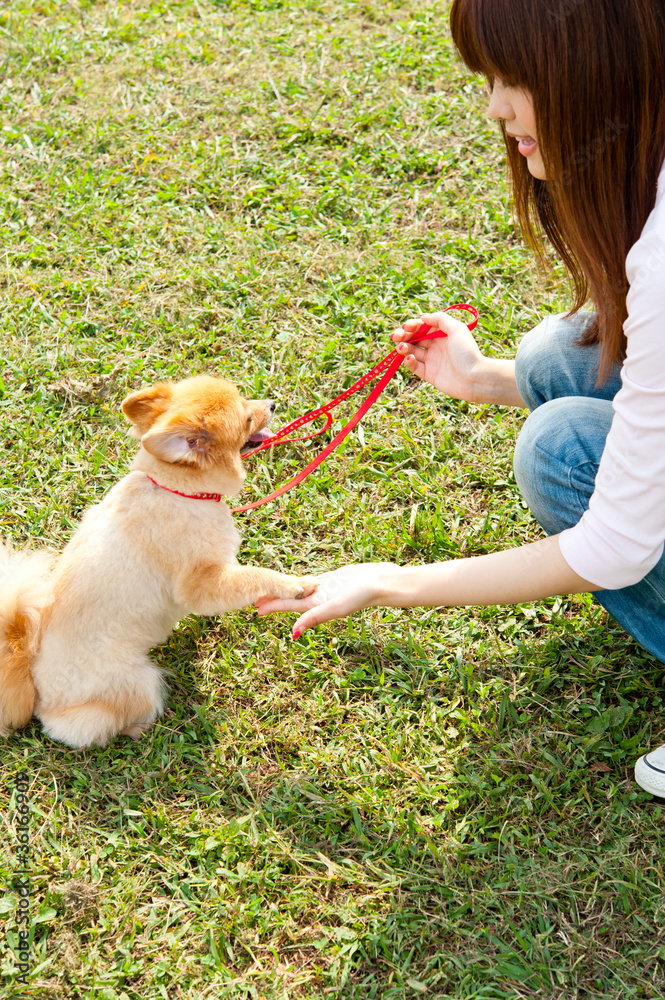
(307, 584)
(136, 730)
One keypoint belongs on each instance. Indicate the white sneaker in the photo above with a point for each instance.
(650, 772)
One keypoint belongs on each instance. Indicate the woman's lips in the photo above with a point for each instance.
(526, 145)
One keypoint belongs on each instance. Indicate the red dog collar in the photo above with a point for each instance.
(189, 496)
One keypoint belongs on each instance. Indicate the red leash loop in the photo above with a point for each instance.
(389, 365)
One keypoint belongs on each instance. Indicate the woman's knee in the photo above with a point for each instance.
(550, 364)
(557, 456)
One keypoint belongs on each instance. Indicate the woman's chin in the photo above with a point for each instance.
(536, 168)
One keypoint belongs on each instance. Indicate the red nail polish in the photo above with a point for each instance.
(297, 632)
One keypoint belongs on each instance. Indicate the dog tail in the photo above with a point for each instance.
(24, 594)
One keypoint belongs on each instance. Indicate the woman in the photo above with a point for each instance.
(578, 87)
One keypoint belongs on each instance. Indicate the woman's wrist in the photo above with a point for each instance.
(394, 588)
(493, 381)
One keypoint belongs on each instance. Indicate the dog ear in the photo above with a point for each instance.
(146, 405)
(179, 443)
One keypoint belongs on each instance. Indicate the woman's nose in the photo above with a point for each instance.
(498, 106)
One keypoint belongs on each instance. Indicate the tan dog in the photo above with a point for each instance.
(73, 642)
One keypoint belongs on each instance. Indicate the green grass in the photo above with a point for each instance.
(401, 803)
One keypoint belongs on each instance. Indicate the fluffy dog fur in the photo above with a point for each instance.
(74, 638)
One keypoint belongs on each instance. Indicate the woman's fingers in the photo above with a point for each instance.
(268, 605)
(316, 611)
(439, 320)
(406, 332)
(414, 354)
(323, 613)
(415, 367)
(442, 321)
(420, 353)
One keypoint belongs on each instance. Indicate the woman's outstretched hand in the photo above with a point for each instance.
(338, 594)
(514, 576)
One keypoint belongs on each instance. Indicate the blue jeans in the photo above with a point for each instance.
(559, 450)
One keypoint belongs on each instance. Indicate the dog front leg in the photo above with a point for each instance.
(214, 589)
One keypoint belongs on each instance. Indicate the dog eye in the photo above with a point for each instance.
(249, 420)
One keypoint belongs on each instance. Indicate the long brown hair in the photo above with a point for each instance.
(595, 70)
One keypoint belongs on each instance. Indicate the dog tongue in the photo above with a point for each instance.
(261, 436)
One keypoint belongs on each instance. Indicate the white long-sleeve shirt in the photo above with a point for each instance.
(620, 537)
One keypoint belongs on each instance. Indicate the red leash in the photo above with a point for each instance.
(389, 364)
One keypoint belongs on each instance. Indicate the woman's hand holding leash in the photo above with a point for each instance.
(454, 364)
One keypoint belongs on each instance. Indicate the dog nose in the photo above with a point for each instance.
(271, 404)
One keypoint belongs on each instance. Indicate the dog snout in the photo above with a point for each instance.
(271, 404)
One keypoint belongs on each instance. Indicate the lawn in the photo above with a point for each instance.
(404, 803)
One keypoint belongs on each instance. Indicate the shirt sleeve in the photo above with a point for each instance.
(620, 537)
